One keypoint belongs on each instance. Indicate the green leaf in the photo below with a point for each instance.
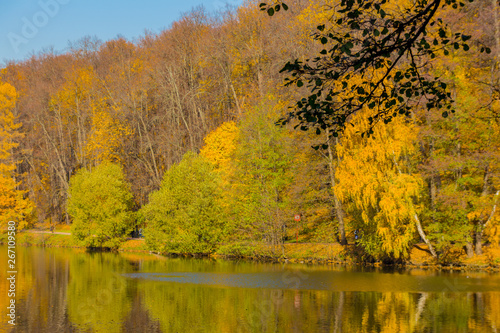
(324, 40)
(445, 114)
(285, 7)
(300, 83)
(270, 11)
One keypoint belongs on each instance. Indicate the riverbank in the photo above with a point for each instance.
(63, 239)
(302, 253)
(334, 253)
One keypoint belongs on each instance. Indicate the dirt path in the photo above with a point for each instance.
(48, 232)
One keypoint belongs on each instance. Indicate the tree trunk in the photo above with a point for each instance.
(479, 240)
(469, 249)
(433, 192)
(422, 235)
(482, 227)
(339, 210)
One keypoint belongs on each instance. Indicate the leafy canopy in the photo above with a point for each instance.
(185, 214)
(379, 186)
(13, 204)
(387, 46)
(100, 204)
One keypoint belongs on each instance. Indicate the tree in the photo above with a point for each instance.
(100, 204)
(105, 141)
(380, 186)
(262, 178)
(387, 45)
(185, 215)
(462, 161)
(313, 186)
(13, 204)
(220, 146)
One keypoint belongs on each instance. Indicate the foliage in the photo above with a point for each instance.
(220, 146)
(387, 46)
(14, 206)
(204, 85)
(79, 98)
(380, 186)
(100, 204)
(185, 214)
(462, 161)
(262, 177)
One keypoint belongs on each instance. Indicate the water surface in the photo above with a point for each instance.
(64, 290)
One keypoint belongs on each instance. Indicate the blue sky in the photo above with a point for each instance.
(29, 26)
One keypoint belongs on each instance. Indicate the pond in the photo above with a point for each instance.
(65, 290)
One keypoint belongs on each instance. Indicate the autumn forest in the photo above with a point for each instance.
(196, 136)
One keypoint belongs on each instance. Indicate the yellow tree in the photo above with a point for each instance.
(93, 129)
(380, 187)
(220, 146)
(13, 205)
(107, 134)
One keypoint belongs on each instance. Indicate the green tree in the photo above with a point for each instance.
(185, 214)
(263, 177)
(100, 204)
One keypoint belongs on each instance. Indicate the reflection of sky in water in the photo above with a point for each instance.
(334, 281)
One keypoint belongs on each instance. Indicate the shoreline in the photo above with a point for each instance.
(295, 253)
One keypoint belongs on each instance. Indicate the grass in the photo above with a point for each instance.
(27, 239)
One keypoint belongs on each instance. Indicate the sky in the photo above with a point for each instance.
(29, 26)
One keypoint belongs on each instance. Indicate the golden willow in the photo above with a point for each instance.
(379, 186)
